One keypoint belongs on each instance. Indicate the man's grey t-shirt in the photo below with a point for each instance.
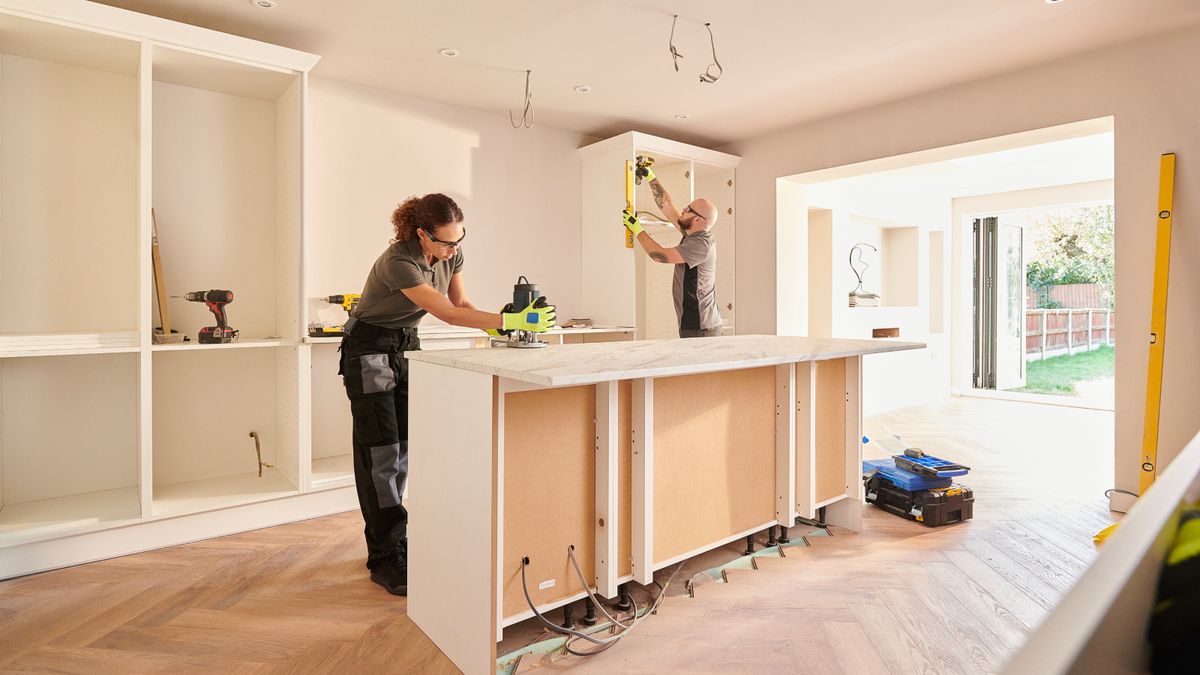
(402, 265)
(694, 288)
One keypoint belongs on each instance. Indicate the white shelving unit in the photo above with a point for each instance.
(622, 287)
(104, 436)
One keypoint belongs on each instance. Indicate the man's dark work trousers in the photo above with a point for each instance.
(375, 373)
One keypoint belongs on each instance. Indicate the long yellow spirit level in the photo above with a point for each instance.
(1158, 323)
(629, 199)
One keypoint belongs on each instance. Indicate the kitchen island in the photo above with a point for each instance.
(636, 454)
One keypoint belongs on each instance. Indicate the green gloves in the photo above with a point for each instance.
(538, 317)
(631, 222)
(501, 332)
(644, 172)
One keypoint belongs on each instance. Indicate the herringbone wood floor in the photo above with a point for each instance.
(899, 597)
(293, 598)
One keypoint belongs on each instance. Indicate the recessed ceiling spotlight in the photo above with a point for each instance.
(682, 116)
(263, 4)
(582, 89)
(1053, 2)
(449, 53)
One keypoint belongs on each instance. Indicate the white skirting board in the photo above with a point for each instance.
(41, 556)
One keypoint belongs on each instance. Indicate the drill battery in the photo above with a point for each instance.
(217, 335)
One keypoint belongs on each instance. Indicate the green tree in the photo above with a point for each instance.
(1073, 246)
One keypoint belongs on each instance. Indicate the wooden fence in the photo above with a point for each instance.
(1073, 296)
(1052, 331)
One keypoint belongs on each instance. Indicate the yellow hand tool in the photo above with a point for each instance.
(629, 198)
(1158, 323)
(1148, 470)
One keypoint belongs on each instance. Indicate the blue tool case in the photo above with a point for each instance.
(928, 465)
(903, 478)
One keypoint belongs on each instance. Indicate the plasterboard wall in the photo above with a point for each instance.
(1127, 82)
(518, 188)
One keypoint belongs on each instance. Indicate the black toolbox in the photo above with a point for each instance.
(934, 507)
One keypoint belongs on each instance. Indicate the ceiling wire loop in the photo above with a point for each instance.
(675, 55)
(527, 114)
(708, 75)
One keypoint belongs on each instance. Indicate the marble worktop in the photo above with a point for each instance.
(445, 332)
(560, 365)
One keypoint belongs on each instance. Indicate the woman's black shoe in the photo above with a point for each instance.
(392, 576)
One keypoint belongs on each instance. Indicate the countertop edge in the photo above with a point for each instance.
(442, 359)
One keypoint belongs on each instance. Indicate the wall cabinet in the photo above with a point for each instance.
(622, 287)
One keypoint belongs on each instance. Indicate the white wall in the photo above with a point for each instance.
(518, 188)
(1148, 86)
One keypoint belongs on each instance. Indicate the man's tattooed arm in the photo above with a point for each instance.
(664, 201)
(658, 256)
(657, 189)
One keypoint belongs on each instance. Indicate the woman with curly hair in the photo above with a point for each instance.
(420, 272)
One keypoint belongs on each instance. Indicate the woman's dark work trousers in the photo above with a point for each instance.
(375, 373)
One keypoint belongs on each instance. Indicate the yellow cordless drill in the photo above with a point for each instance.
(347, 301)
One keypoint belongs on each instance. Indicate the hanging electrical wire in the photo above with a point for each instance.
(527, 112)
(575, 635)
(708, 75)
(675, 55)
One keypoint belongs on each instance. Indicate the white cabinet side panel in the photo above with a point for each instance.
(607, 268)
(287, 413)
(289, 191)
(451, 529)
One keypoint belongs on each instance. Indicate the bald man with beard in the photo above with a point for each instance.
(695, 259)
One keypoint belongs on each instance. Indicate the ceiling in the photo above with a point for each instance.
(786, 61)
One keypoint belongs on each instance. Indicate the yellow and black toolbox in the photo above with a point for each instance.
(919, 487)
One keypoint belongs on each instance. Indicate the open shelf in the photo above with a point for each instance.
(180, 499)
(67, 344)
(68, 445)
(227, 193)
(206, 403)
(240, 344)
(68, 180)
(73, 514)
(332, 471)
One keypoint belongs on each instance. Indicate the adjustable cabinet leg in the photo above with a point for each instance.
(589, 617)
(821, 517)
(624, 599)
(568, 615)
(783, 535)
(771, 540)
(749, 544)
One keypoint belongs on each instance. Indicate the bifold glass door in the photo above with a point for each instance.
(999, 301)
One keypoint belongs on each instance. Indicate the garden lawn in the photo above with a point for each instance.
(1059, 374)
